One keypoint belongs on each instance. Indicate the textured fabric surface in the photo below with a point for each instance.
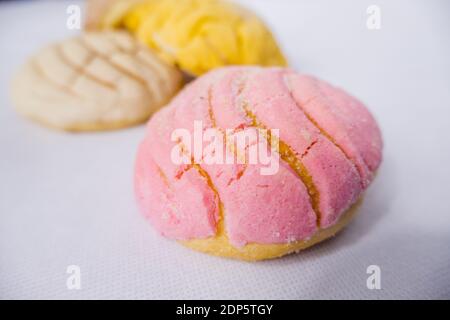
(67, 199)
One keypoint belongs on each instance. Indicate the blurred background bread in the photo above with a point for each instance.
(95, 81)
(195, 35)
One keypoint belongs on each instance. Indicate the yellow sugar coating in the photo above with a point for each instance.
(197, 35)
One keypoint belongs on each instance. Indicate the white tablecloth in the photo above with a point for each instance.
(67, 199)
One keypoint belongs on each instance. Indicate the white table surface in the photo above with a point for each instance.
(67, 199)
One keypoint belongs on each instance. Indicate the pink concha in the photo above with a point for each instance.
(331, 147)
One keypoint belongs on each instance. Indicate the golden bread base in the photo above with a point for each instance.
(220, 246)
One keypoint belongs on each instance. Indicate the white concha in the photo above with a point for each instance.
(96, 81)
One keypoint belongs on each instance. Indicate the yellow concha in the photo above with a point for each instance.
(197, 35)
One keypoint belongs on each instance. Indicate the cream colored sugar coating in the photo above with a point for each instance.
(96, 81)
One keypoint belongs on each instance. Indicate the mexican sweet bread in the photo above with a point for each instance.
(195, 35)
(327, 143)
(95, 81)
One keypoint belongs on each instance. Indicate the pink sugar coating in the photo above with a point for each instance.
(176, 199)
(279, 209)
(258, 208)
(335, 177)
(179, 208)
(342, 117)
